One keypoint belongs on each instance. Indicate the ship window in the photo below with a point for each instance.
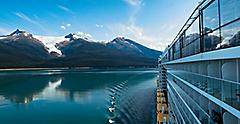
(211, 41)
(192, 48)
(177, 49)
(184, 46)
(191, 45)
(211, 17)
(231, 35)
(185, 51)
(171, 54)
(196, 46)
(229, 10)
(177, 46)
(192, 38)
(165, 58)
(193, 31)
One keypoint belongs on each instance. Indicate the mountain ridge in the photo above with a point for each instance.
(76, 51)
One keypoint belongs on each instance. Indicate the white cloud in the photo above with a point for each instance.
(136, 33)
(133, 31)
(99, 26)
(229, 31)
(213, 20)
(24, 17)
(4, 31)
(65, 9)
(134, 2)
(28, 19)
(63, 27)
(68, 25)
(157, 37)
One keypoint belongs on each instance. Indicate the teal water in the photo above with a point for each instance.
(77, 96)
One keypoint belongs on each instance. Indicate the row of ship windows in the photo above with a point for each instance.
(219, 24)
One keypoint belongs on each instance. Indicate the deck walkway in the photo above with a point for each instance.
(162, 107)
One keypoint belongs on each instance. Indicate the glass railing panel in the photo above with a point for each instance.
(211, 16)
(182, 107)
(211, 40)
(176, 55)
(229, 10)
(230, 35)
(197, 110)
(230, 94)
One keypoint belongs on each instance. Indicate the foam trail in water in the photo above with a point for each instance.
(115, 92)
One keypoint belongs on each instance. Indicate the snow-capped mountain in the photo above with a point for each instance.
(51, 41)
(18, 33)
(74, 49)
(21, 49)
(127, 45)
(118, 52)
(121, 43)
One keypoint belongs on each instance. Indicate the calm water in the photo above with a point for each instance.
(77, 96)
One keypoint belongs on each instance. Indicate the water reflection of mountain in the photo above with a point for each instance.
(27, 89)
(22, 88)
(70, 86)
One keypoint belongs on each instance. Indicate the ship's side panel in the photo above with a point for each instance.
(203, 65)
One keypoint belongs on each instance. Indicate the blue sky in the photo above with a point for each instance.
(153, 23)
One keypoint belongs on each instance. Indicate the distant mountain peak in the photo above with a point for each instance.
(119, 38)
(124, 44)
(19, 32)
(74, 49)
(78, 35)
(16, 32)
(70, 36)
